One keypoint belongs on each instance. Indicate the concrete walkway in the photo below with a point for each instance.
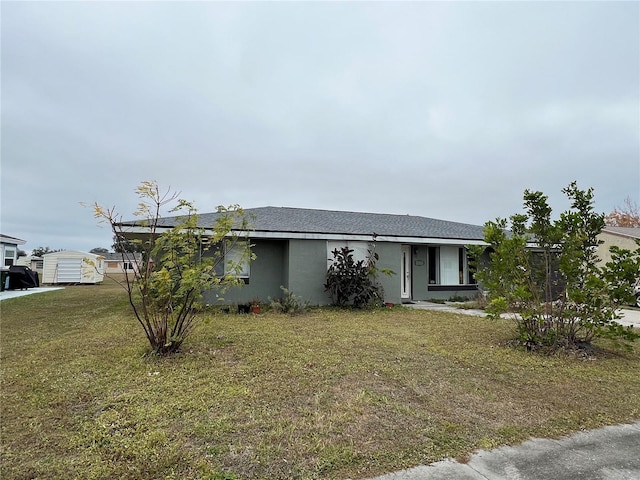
(609, 453)
(629, 316)
(7, 294)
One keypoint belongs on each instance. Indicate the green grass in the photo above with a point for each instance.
(326, 395)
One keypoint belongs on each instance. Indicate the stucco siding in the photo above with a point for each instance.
(610, 240)
(389, 259)
(266, 276)
(307, 270)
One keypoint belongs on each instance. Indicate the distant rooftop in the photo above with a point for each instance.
(631, 232)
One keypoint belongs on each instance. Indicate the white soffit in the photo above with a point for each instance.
(332, 236)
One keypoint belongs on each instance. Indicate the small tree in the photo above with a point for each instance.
(547, 273)
(178, 263)
(354, 283)
(122, 245)
(40, 251)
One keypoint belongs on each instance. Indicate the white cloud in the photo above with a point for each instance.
(430, 108)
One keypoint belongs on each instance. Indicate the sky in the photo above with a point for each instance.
(446, 110)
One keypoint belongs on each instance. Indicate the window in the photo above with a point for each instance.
(236, 260)
(433, 262)
(447, 265)
(9, 256)
(360, 250)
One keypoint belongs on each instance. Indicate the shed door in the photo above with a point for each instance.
(69, 270)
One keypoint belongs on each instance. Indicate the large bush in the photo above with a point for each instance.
(546, 272)
(351, 282)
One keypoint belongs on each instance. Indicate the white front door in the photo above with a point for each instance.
(405, 289)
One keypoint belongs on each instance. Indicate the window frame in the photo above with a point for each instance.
(455, 258)
(230, 256)
(10, 260)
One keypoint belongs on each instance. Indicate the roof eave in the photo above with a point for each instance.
(279, 235)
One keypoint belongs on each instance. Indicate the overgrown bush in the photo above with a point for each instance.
(548, 275)
(178, 263)
(289, 303)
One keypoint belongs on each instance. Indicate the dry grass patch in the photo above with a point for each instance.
(330, 394)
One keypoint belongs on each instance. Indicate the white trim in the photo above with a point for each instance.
(331, 236)
(11, 240)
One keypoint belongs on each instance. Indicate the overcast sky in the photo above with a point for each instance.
(441, 109)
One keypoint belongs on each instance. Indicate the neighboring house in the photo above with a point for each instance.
(293, 247)
(35, 263)
(622, 237)
(114, 263)
(69, 266)
(9, 250)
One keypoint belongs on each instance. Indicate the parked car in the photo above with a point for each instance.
(636, 292)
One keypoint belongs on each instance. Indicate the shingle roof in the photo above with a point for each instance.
(632, 232)
(310, 221)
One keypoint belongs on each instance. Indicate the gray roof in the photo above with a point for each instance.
(632, 232)
(310, 221)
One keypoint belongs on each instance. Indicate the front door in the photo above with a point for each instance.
(405, 289)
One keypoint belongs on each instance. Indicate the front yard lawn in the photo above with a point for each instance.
(330, 394)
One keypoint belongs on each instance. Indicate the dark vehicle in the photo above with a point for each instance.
(20, 278)
(636, 292)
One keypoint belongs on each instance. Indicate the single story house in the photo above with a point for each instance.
(9, 249)
(622, 237)
(115, 263)
(70, 266)
(293, 249)
(34, 262)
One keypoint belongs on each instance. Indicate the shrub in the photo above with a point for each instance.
(354, 283)
(178, 264)
(289, 303)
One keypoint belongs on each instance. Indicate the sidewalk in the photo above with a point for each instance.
(609, 453)
(629, 316)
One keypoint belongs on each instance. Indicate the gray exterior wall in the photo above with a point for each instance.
(266, 276)
(390, 258)
(301, 267)
(307, 270)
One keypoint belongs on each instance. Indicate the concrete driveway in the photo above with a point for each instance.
(7, 294)
(609, 453)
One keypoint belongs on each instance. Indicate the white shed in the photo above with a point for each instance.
(70, 266)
